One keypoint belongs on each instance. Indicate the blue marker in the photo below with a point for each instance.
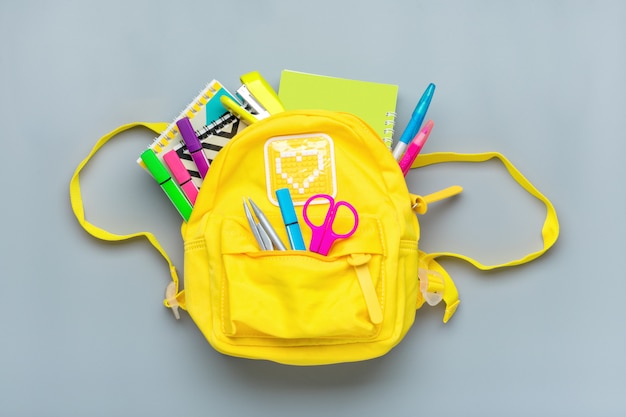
(415, 123)
(290, 219)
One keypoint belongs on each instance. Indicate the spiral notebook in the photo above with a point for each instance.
(213, 138)
(373, 102)
(207, 115)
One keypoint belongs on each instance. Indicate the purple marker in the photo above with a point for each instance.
(193, 144)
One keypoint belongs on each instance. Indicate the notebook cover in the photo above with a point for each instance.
(373, 102)
(205, 112)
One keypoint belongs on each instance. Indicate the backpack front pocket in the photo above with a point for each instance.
(300, 295)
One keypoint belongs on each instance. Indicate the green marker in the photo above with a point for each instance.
(162, 176)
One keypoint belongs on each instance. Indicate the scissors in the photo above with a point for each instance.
(323, 235)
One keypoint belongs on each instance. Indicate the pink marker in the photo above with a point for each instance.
(415, 147)
(181, 175)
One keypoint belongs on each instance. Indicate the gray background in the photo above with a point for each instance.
(83, 329)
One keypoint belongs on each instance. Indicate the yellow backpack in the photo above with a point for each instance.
(300, 307)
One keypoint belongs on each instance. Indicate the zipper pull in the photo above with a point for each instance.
(432, 286)
(359, 262)
(170, 298)
(420, 204)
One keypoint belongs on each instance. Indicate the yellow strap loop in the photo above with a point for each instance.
(79, 210)
(550, 229)
(436, 281)
(420, 203)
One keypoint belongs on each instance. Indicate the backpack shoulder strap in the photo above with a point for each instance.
(174, 298)
(435, 283)
(550, 229)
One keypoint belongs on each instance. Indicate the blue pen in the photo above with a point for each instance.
(415, 123)
(290, 219)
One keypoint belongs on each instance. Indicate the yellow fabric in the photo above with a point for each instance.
(435, 279)
(550, 229)
(298, 307)
(420, 204)
(79, 210)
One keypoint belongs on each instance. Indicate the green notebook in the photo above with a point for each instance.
(373, 102)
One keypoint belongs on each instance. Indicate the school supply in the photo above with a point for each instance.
(258, 99)
(373, 102)
(324, 235)
(203, 112)
(255, 107)
(193, 145)
(221, 122)
(415, 147)
(212, 123)
(261, 236)
(185, 156)
(181, 175)
(301, 307)
(213, 138)
(163, 178)
(258, 87)
(290, 219)
(267, 227)
(236, 109)
(419, 113)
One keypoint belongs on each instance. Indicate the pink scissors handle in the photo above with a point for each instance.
(323, 235)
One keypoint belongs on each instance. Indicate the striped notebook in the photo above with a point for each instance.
(212, 122)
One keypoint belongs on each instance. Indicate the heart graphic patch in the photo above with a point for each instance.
(305, 164)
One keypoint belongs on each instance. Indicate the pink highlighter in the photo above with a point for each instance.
(415, 147)
(181, 175)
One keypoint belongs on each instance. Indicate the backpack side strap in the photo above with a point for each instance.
(435, 283)
(174, 298)
(550, 229)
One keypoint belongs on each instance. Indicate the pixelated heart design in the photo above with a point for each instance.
(300, 168)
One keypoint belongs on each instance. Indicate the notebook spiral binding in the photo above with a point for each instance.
(389, 128)
(190, 111)
(214, 127)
